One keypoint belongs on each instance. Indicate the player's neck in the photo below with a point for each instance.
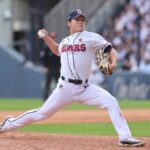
(73, 32)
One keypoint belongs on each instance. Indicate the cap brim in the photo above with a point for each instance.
(82, 15)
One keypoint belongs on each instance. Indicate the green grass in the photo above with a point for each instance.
(124, 104)
(26, 104)
(19, 104)
(130, 104)
(137, 128)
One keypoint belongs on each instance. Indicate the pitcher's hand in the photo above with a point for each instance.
(42, 33)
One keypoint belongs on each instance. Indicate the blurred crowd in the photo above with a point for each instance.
(130, 35)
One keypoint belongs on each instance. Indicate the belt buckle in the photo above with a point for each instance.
(77, 81)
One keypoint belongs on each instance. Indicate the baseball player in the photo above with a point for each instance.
(76, 52)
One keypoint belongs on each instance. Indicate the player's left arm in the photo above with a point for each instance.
(106, 55)
(113, 59)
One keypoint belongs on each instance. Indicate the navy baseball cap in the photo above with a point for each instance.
(74, 14)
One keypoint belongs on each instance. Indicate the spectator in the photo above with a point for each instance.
(145, 64)
(145, 61)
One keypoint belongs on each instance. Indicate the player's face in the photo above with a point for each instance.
(77, 24)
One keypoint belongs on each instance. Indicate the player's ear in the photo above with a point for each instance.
(68, 24)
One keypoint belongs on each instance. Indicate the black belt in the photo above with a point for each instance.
(74, 81)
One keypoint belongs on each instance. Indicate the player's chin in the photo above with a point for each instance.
(80, 29)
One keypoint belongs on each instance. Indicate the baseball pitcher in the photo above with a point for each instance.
(76, 52)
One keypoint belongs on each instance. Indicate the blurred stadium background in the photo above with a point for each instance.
(125, 23)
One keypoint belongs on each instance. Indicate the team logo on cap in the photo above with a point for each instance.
(79, 11)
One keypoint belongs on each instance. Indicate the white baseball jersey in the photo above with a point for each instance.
(77, 52)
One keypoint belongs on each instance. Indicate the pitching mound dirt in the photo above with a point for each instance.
(44, 141)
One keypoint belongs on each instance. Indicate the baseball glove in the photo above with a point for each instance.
(102, 60)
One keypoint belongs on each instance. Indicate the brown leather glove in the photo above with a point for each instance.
(102, 60)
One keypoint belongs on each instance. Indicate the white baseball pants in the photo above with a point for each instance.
(67, 93)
